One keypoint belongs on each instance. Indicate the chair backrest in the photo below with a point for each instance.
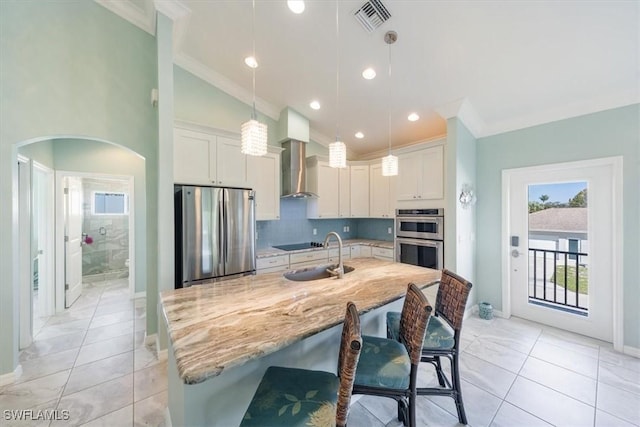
(350, 347)
(452, 298)
(413, 322)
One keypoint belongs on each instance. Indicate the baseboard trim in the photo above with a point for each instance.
(150, 339)
(139, 295)
(631, 351)
(11, 377)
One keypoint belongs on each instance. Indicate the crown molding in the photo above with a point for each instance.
(570, 110)
(127, 10)
(224, 84)
(464, 111)
(172, 9)
(405, 148)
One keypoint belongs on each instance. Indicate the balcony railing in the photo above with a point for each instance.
(559, 279)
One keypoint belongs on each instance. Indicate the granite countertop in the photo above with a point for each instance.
(269, 252)
(214, 327)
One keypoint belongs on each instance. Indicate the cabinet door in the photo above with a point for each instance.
(328, 197)
(192, 154)
(231, 164)
(263, 176)
(378, 192)
(344, 191)
(432, 173)
(360, 191)
(409, 176)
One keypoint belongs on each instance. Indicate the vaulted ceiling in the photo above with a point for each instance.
(502, 65)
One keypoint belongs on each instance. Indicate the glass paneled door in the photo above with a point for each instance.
(560, 237)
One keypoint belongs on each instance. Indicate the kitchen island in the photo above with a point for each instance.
(223, 336)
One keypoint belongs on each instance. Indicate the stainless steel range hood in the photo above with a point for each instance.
(294, 170)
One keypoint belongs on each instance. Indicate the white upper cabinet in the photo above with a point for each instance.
(344, 191)
(263, 176)
(207, 159)
(359, 181)
(421, 175)
(324, 181)
(381, 193)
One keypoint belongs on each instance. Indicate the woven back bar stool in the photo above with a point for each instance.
(442, 338)
(389, 368)
(300, 397)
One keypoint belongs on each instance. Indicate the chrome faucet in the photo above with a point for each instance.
(339, 271)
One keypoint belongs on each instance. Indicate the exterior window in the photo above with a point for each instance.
(104, 203)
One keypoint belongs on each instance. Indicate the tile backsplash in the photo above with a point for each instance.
(294, 227)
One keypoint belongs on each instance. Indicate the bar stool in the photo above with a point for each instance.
(300, 397)
(442, 338)
(388, 367)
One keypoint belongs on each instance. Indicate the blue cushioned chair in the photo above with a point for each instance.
(299, 397)
(389, 367)
(442, 338)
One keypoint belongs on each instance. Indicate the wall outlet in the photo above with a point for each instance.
(315, 231)
(347, 228)
(344, 229)
(388, 230)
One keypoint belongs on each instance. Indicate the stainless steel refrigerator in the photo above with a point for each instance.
(215, 234)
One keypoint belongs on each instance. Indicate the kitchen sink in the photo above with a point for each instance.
(314, 273)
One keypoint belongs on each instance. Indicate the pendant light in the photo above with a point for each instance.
(390, 162)
(337, 149)
(254, 133)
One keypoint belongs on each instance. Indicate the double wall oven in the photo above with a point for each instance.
(420, 237)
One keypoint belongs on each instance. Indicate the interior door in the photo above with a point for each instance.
(537, 276)
(73, 240)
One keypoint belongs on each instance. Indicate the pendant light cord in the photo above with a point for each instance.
(389, 116)
(337, 70)
(253, 53)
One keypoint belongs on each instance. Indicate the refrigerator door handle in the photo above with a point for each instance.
(221, 233)
(226, 230)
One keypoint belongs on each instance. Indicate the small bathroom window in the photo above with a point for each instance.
(110, 203)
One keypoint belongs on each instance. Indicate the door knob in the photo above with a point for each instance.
(516, 253)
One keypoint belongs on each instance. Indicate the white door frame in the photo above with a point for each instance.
(617, 239)
(60, 251)
(48, 213)
(25, 268)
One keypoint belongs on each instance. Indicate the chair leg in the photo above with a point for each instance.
(403, 412)
(412, 410)
(439, 372)
(455, 374)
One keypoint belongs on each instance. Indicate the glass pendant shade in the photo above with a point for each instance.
(254, 138)
(337, 155)
(390, 165)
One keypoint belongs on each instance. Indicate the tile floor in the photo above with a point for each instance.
(92, 361)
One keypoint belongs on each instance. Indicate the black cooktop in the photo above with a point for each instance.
(298, 246)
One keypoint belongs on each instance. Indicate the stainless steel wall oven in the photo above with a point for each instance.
(420, 237)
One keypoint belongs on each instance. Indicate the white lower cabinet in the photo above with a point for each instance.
(360, 251)
(382, 253)
(334, 252)
(306, 259)
(272, 264)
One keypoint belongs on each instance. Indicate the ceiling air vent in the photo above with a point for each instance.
(371, 15)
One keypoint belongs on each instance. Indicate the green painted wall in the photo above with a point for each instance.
(197, 101)
(69, 69)
(609, 133)
(41, 152)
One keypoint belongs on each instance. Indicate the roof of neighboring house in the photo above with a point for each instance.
(559, 219)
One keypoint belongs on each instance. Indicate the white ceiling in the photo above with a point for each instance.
(516, 63)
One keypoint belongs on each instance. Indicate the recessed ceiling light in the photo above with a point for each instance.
(251, 62)
(359, 135)
(296, 6)
(413, 117)
(369, 73)
(315, 105)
